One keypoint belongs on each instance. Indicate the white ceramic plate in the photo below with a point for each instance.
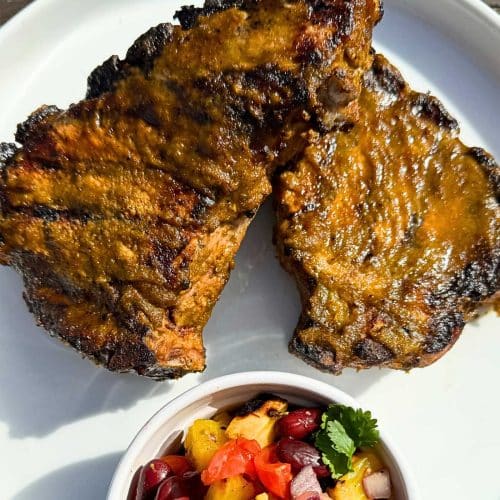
(65, 423)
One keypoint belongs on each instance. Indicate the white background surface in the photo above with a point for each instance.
(64, 423)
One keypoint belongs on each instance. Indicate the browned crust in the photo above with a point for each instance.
(124, 212)
(446, 302)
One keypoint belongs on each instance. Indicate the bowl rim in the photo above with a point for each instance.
(245, 379)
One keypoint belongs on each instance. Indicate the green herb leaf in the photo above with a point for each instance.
(339, 438)
(342, 431)
(338, 463)
(359, 424)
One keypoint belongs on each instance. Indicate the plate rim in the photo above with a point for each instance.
(473, 6)
(39, 7)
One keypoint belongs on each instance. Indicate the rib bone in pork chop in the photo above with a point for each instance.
(123, 213)
(392, 231)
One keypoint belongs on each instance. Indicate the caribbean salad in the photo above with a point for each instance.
(270, 450)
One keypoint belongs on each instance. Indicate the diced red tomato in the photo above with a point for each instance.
(178, 463)
(233, 458)
(276, 476)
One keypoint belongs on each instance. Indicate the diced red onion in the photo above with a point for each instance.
(305, 482)
(308, 496)
(377, 486)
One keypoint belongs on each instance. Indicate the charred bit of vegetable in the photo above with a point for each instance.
(260, 423)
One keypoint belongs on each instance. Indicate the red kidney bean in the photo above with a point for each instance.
(196, 488)
(178, 463)
(322, 471)
(151, 475)
(172, 488)
(297, 453)
(137, 487)
(298, 424)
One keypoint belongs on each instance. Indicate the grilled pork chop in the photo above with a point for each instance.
(392, 231)
(124, 212)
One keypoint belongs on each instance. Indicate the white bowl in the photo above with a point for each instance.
(164, 431)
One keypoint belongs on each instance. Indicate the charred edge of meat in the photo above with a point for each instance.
(149, 46)
(141, 54)
(30, 125)
(311, 283)
(427, 106)
(250, 214)
(122, 356)
(105, 76)
(160, 373)
(321, 12)
(444, 329)
(477, 281)
(381, 11)
(135, 357)
(255, 403)
(125, 356)
(7, 152)
(36, 273)
(334, 12)
(490, 166)
(188, 16)
(385, 77)
(372, 352)
(318, 356)
(327, 12)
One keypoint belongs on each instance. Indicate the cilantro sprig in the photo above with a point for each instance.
(343, 430)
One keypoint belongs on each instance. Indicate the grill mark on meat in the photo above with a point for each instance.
(396, 210)
(373, 353)
(50, 214)
(201, 206)
(170, 157)
(268, 80)
(414, 223)
(316, 355)
(478, 280)
(445, 330)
